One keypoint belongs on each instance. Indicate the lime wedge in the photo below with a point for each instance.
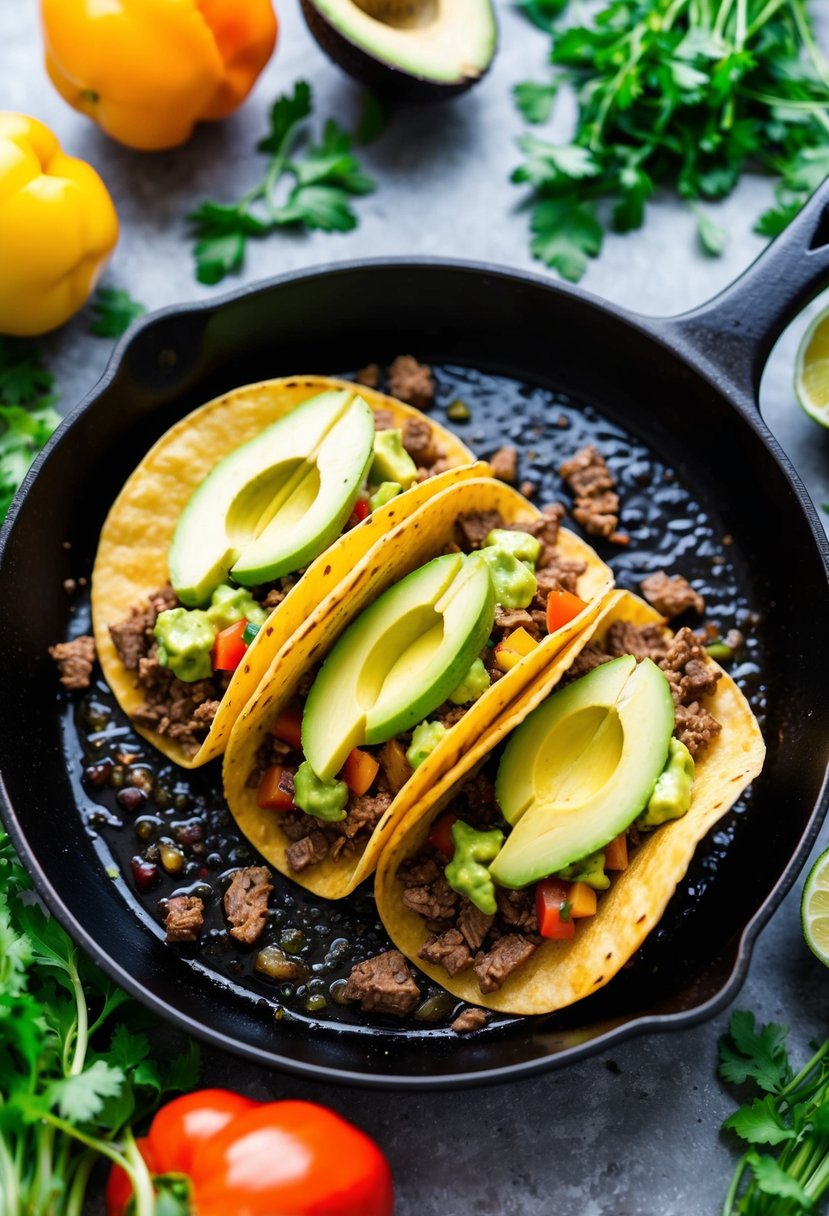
(811, 379)
(814, 908)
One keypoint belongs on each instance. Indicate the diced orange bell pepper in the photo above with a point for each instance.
(288, 727)
(229, 647)
(359, 771)
(616, 853)
(562, 608)
(582, 899)
(276, 789)
(552, 908)
(516, 646)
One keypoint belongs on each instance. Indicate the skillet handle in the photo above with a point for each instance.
(733, 334)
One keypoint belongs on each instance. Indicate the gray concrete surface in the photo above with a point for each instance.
(643, 1137)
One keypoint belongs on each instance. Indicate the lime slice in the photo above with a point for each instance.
(814, 908)
(811, 379)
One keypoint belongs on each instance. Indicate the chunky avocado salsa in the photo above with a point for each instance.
(404, 673)
(246, 534)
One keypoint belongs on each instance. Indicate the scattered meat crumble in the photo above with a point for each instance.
(383, 984)
(412, 382)
(597, 504)
(671, 595)
(183, 918)
(470, 1019)
(504, 464)
(369, 375)
(75, 661)
(246, 903)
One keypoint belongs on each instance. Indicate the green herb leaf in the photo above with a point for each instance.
(551, 164)
(27, 418)
(772, 1179)
(325, 177)
(712, 237)
(534, 101)
(373, 120)
(114, 311)
(566, 234)
(543, 13)
(760, 1123)
(763, 1057)
(81, 1097)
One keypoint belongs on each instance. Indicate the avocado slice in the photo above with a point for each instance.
(581, 767)
(417, 50)
(399, 660)
(276, 502)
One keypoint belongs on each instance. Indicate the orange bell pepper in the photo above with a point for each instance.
(57, 228)
(148, 70)
(359, 771)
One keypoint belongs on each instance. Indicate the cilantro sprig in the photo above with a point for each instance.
(323, 181)
(790, 1113)
(27, 417)
(75, 1070)
(687, 94)
(113, 311)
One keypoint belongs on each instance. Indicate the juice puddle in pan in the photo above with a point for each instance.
(667, 528)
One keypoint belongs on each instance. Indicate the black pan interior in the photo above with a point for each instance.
(497, 324)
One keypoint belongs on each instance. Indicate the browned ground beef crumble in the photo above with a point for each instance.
(470, 1019)
(671, 595)
(183, 918)
(383, 984)
(246, 903)
(412, 382)
(597, 504)
(75, 661)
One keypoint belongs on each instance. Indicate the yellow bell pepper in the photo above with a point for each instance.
(57, 228)
(148, 70)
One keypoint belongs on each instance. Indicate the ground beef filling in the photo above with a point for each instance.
(183, 918)
(596, 505)
(383, 984)
(246, 903)
(75, 661)
(171, 707)
(671, 594)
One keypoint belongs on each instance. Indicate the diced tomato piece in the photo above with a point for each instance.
(440, 836)
(276, 789)
(562, 608)
(553, 910)
(616, 853)
(229, 647)
(359, 771)
(362, 509)
(288, 727)
(582, 899)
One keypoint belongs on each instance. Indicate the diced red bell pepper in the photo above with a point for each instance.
(553, 910)
(616, 853)
(288, 727)
(362, 509)
(276, 789)
(229, 647)
(440, 837)
(359, 771)
(562, 608)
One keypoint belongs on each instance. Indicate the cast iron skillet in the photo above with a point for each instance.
(687, 386)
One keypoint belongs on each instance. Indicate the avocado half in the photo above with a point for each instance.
(418, 50)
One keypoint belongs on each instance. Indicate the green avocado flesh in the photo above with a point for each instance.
(399, 660)
(445, 43)
(581, 767)
(275, 503)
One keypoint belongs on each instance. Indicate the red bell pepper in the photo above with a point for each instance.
(359, 771)
(562, 608)
(440, 836)
(288, 727)
(276, 789)
(362, 509)
(229, 647)
(246, 1158)
(552, 910)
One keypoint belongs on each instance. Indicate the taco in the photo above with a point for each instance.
(446, 622)
(231, 531)
(530, 874)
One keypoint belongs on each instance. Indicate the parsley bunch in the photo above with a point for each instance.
(75, 1069)
(27, 418)
(793, 1113)
(113, 312)
(681, 93)
(325, 178)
